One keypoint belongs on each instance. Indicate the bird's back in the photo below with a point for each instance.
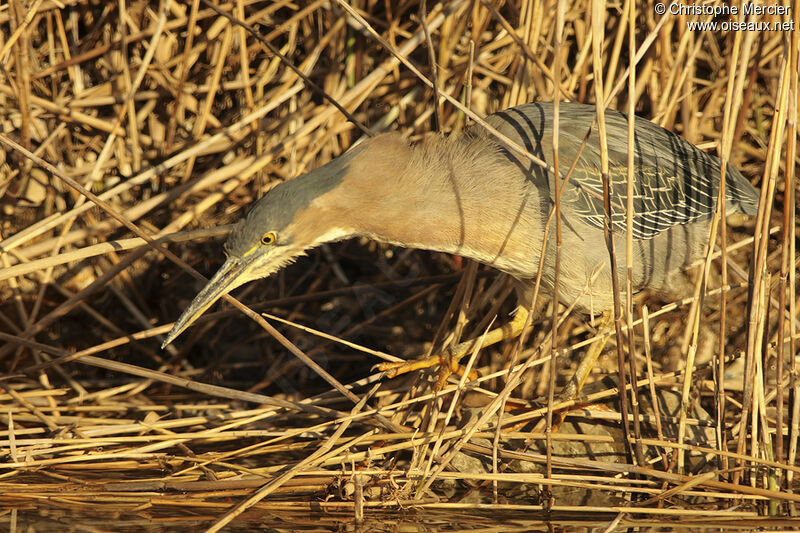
(675, 194)
(674, 181)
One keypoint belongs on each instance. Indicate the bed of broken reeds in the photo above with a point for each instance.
(132, 134)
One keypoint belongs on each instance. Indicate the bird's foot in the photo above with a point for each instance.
(572, 390)
(574, 386)
(448, 364)
(569, 394)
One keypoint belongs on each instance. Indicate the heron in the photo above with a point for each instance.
(468, 194)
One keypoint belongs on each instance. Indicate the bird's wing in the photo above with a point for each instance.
(675, 183)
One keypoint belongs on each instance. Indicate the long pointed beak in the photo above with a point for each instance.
(229, 276)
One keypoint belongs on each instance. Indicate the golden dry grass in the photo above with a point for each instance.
(177, 138)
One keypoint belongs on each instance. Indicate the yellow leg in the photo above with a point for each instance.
(448, 362)
(573, 388)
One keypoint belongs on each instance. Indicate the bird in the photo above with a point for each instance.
(468, 194)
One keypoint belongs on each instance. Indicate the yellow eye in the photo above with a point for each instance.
(268, 238)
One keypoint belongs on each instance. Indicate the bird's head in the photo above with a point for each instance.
(288, 220)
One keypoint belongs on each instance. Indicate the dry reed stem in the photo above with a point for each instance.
(154, 108)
